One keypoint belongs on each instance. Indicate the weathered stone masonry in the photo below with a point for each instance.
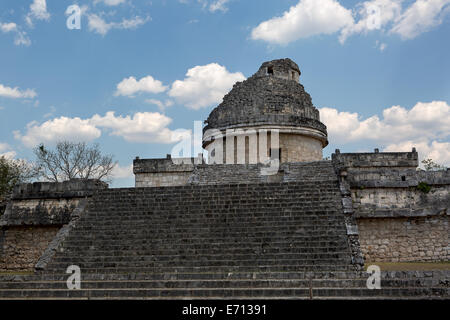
(270, 100)
(33, 218)
(398, 220)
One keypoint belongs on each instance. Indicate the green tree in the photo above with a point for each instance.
(13, 172)
(71, 160)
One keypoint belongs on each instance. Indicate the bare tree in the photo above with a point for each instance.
(72, 160)
(430, 165)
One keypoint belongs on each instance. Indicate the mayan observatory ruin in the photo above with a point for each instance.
(260, 215)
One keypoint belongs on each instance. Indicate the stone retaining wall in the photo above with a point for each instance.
(402, 212)
(33, 217)
(405, 239)
(21, 246)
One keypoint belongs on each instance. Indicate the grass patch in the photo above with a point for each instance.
(410, 266)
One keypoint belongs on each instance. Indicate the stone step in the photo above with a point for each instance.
(183, 259)
(220, 237)
(157, 263)
(87, 251)
(325, 222)
(194, 244)
(144, 245)
(282, 213)
(312, 214)
(206, 284)
(213, 205)
(210, 269)
(299, 200)
(383, 293)
(229, 293)
(84, 230)
(439, 277)
(219, 226)
(210, 235)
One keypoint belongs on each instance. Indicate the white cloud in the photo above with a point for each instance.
(218, 5)
(16, 93)
(426, 124)
(204, 86)
(420, 17)
(110, 2)
(20, 38)
(99, 25)
(122, 172)
(313, 17)
(8, 27)
(307, 18)
(131, 86)
(438, 151)
(38, 11)
(3, 147)
(425, 120)
(63, 128)
(145, 127)
(5, 151)
(141, 127)
(373, 15)
(160, 104)
(9, 154)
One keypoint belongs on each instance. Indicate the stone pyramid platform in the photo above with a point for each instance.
(234, 241)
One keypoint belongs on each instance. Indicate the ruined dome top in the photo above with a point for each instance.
(272, 96)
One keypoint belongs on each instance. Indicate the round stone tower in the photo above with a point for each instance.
(269, 115)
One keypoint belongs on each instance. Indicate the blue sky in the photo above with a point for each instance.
(137, 74)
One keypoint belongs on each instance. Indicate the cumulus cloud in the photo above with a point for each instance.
(145, 127)
(373, 15)
(38, 11)
(307, 18)
(110, 2)
(9, 154)
(204, 86)
(313, 17)
(420, 17)
(122, 172)
(141, 127)
(218, 5)
(131, 86)
(63, 128)
(210, 5)
(438, 151)
(162, 105)
(16, 93)
(20, 38)
(426, 126)
(98, 25)
(8, 27)
(6, 151)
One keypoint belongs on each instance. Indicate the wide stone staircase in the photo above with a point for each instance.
(269, 240)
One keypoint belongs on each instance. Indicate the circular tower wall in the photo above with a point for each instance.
(269, 115)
